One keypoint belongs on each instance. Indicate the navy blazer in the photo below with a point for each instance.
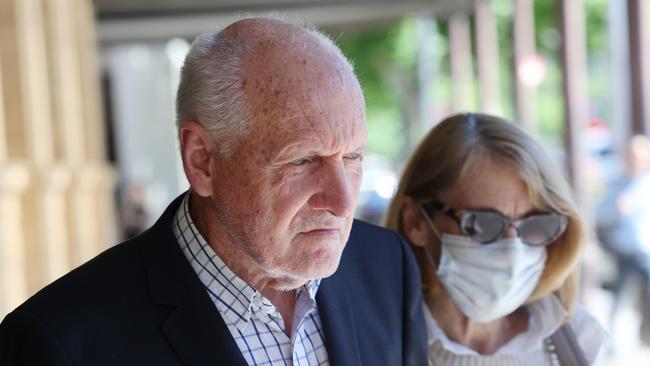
(140, 303)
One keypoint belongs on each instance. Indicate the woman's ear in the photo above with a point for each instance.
(416, 228)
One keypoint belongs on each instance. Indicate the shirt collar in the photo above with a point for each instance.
(545, 316)
(242, 299)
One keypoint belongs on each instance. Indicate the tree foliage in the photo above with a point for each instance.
(385, 61)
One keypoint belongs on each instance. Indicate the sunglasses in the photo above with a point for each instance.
(487, 226)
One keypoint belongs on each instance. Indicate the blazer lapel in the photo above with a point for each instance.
(334, 308)
(200, 338)
(195, 329)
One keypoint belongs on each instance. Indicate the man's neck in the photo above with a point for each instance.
(285, 302)
(279, 291)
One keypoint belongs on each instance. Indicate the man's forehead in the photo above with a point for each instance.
(285, 63)
(304, 93)
(293, 81)
(277, 71)
(329, 127)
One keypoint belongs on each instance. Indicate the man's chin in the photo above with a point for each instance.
(322, 267)
(299, 277)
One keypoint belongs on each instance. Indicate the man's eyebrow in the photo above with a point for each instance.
(291, 148)
(295, 148)
(361, 147)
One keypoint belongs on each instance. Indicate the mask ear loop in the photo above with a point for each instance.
(431, 225)
(426, 286)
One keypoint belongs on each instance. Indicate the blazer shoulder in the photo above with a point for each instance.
(376, 246)
(362, 230)
(114, 274)
(111, 274)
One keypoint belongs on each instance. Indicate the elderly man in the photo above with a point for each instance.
(251, 266)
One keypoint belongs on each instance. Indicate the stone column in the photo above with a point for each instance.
(13, 265)
(56, 185)
(487, 58)
(576, 95)
(460, 54)
(3, 124)
(639, 48)
(523, 32)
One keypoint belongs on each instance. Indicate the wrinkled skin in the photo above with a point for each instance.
(279, 209)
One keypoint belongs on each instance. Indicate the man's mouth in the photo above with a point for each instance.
(326, 231)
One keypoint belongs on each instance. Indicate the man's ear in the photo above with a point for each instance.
(197, 151)
(416, 229)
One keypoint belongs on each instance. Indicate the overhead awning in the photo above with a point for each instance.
(138, 20)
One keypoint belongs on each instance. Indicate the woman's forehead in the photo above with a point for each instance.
(491, 184)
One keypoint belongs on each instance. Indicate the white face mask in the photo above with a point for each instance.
(489, 281)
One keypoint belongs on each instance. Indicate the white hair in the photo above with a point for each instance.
(211, 91)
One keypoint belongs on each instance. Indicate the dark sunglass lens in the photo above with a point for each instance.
(482, 226)
(542, 229)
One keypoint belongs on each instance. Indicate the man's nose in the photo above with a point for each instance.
(335, 190)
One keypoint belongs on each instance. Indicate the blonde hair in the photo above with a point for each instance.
(455, 146)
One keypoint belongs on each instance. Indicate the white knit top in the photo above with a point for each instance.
(527, 348)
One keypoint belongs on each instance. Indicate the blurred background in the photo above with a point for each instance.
(88, 150)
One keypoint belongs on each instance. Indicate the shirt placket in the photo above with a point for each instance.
(266, 312)
(305, 305)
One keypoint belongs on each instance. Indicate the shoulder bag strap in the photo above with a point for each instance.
(567, 348)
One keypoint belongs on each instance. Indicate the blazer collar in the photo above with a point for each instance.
(194, 329)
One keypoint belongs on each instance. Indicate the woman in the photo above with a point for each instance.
(498, 238)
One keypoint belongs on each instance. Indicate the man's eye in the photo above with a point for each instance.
(354, 156)
(299, 162)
